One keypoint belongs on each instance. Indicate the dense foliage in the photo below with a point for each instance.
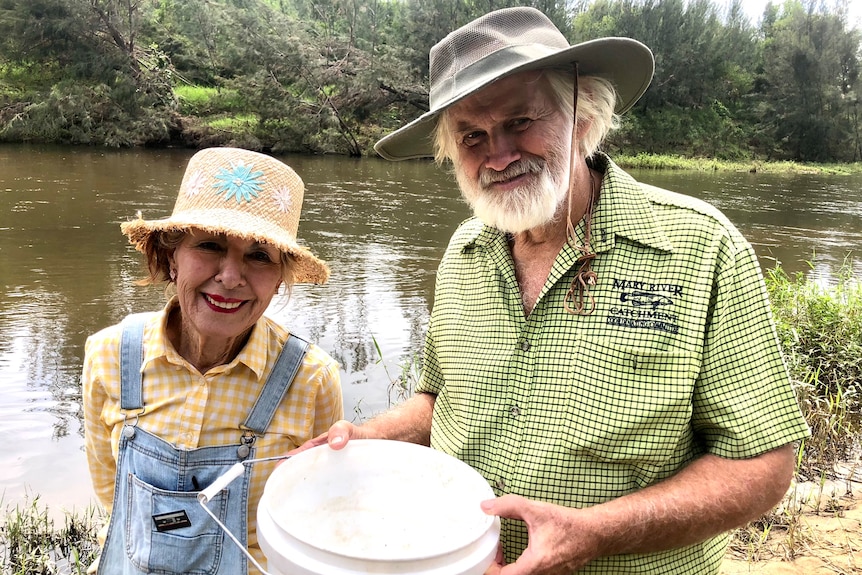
(820, 328)
(334, 75)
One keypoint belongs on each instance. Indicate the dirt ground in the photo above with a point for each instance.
(819, 534)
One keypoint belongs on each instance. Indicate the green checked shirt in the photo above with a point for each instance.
(679, 358)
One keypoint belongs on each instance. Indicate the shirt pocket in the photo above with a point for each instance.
(629, 406)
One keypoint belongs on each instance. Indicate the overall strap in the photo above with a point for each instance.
(131, 359)
(277, 384)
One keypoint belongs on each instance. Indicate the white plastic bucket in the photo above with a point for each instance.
(376, 507)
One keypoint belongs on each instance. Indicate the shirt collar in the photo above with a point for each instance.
(253, 354)
(624, 209)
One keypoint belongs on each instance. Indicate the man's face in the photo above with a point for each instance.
(512, 152)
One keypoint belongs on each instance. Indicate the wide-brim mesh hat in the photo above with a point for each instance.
(503, 43)
(243, 194)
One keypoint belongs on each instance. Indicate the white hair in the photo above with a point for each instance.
(596, 118)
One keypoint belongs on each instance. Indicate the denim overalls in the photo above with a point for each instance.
(157, 524)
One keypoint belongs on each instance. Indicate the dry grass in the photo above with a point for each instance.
(818, 529)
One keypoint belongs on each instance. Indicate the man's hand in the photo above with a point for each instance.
(556, 545)
(410, 421)
(710, 496)
(337, 437)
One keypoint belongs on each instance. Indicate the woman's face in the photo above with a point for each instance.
(224, 284)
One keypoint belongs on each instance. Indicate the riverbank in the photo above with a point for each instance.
(667, 162)
(816, 531)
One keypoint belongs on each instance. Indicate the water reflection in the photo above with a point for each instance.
(382, 228)
(66, 271)
(808, 223)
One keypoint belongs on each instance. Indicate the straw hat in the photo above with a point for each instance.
(503, 43)
(242, 194)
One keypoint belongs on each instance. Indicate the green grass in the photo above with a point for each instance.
(204, 101)
(645, 161)
(820, 328)
(32, 544)
(240, 123)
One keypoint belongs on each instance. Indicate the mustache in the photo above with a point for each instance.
(519, 168)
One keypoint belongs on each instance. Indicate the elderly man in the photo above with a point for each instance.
(600, 350)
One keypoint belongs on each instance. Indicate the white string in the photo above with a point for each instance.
(220, 483)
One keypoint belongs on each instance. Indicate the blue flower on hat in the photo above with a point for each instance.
(239, 182)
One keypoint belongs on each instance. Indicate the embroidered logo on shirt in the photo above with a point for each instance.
(644, 305)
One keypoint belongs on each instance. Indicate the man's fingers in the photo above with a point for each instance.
(509, 506)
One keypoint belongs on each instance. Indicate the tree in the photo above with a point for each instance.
(335, 75)
(94, 78)
(810, 77)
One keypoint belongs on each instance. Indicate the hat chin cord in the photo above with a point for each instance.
(579, 300)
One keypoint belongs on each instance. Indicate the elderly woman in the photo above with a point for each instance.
(175, 398)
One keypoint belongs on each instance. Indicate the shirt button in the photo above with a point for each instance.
(525, 345)
(501, 484)
(515, 411)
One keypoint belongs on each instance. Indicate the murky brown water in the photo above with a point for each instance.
(66, 271)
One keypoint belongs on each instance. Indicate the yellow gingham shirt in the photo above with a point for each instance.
(679, 358)
(191, 410)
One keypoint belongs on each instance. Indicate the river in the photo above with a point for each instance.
(66, 271)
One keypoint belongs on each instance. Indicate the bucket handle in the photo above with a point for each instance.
(222, 481)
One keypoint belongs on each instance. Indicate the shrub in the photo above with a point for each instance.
(30, 543)
(820, 328)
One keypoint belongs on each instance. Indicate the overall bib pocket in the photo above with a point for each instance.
(169, 533)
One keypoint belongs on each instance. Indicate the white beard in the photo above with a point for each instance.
(529, 206)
